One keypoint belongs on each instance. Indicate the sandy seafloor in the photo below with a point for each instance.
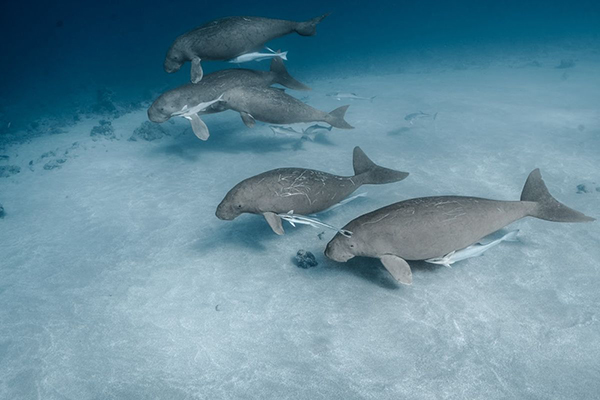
(118, 281)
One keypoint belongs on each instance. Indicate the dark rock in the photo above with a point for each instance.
(46, 126)
(9, 170)
(598, 189)
(74, 146)
(2, 211)
(305, 259)
(148, 131)
(581, 189)
(48, 154)
(566, 64)
(104, 130)
(4, 158)
(52, 164)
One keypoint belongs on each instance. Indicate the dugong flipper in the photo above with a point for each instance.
(198, 127)
(274, 222)
(303, 191)
(248, 119)
(432, 227)
(196, 71)
(397, 267)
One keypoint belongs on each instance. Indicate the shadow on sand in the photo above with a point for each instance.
(249, 232)
(399, 131)
(232, 139)
(373, 271)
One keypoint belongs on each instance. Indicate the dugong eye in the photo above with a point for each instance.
(239, 206)
(352, 245)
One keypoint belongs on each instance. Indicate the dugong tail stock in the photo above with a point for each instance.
(371, 173)
(283, 77)
(336, 118)
(548, 208)
(309, 28)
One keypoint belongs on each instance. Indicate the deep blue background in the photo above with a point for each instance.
(53, 52)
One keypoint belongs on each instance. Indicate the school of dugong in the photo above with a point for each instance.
(440, 230)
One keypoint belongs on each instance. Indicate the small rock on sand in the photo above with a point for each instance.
(306, 259)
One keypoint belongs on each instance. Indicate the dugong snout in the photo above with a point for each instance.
(172, 65)
(226, 211)
(155, 114)
(174, 59)
(339, 249)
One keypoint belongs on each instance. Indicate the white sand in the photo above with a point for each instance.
(118, 282)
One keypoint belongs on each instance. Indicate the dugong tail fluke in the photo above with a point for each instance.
(548, 208)
(309, 28)
(371, 173)
(336, 118)
(283, 77)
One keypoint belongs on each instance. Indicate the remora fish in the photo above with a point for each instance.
(283, 130)
(314, 129)
(294, 219)
(475, 250)
(257, 56)
(308, 133)
(414, 116)
(345, 95)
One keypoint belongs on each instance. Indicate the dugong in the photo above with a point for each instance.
(226, 38)
(303, 191)
(274, 106)
(432, 227)
(173, 102)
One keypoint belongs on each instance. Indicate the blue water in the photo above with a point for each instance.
(117, 281)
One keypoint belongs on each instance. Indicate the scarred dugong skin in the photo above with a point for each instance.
(227, 38)
(274, 106)
(430, 227)
(215, 84)
(305, 191)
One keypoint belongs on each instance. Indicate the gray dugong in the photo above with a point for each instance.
(172, 102)
(274, 106)
(227, 38)
(430, 227)
(305, 191)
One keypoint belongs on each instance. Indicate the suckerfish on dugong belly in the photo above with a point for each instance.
(305, 191)
(173, 102)
(432, 227)
(274, 106)
(227, 38)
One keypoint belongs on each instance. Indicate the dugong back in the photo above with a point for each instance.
(230, 37)
(429, 227)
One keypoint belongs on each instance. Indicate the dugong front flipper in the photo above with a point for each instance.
(191, 114)
(398, 268)
(274, 222)
(196, 70)
(198, 126)
(248, 119)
